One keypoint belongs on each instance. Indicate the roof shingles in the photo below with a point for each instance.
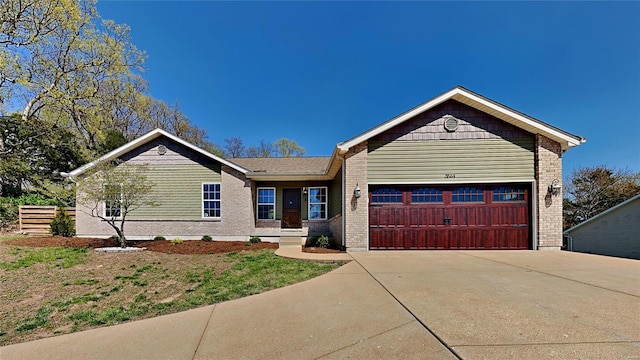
(284, 165)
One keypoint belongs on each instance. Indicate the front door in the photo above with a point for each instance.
(291, 210)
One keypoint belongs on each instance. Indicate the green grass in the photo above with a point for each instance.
(91, 296)
(11, 237)
(81, 282)
(56, 256)
(39, 320)
(253, 272)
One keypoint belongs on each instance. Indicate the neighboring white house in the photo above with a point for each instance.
(613, 232)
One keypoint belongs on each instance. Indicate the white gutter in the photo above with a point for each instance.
(342, 181)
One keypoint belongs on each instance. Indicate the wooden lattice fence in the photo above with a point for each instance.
(36, 220)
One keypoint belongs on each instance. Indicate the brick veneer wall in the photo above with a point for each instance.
(356, 216)
(548, 160)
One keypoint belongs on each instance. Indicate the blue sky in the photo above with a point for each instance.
(322, 72)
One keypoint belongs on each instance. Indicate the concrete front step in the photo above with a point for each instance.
(290, 241)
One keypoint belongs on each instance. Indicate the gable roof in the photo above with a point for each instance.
(286, 168)
(481, 103)
(609, 210)
(145, 139)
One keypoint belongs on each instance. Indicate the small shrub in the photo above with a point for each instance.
(312, 241)
(176, 241)
(159, 238)
(8, 213)
(323, 242)
(254, 240)
(207, 238)
(115, 238)
(62, 224)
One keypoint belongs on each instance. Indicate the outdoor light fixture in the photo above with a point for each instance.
(356, 191)
(304, 190)
(555, 187)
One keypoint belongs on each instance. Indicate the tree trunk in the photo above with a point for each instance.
(123, 240)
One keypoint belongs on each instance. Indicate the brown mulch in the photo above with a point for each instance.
(201, 247)
(319, 250)
(164, 246)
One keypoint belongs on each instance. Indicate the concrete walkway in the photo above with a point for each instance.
(297, 253)
(411, 305)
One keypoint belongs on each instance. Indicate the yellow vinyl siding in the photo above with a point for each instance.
(178, 191)
(451, 161)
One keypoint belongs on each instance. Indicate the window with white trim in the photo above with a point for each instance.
(318, 203)
(113, 201)
(211, 200)
(266, 203)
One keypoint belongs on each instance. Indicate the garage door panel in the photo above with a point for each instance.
(484, 224)
(385, 217)
(422, 216)
(441, 239)
(382, 239)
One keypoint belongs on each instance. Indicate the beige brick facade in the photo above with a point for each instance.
(356, 216)
(548, 163)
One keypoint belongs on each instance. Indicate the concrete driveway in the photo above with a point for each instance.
(525, 304)
(393, 305)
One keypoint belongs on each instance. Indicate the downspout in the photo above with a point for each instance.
(342, 181)
(534, 215)
(569, 242)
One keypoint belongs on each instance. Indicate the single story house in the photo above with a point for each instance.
(613, 232)
(459, 171)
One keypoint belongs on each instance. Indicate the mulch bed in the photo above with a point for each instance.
(319, 250)
(164, 246)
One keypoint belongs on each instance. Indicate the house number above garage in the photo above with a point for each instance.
(449, 176)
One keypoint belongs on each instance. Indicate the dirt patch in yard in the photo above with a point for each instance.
(186, 247)
(55, 285)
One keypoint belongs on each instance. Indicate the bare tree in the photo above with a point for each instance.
(112, 191)
(592, 190)
(234, 147)
(264, 149)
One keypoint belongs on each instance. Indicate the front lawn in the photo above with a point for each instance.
(48, 291)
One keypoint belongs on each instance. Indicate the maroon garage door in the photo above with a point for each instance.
(449, 217)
